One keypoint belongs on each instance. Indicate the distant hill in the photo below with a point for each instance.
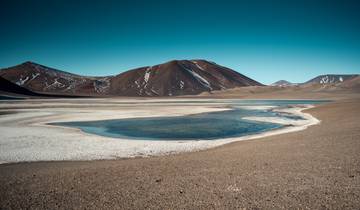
(178, 77)
(328, 80)
(353, 84)
(282, 83)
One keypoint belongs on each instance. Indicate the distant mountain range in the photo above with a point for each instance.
(326, 79)
(282, 83)
(174, 78)
(331, 78)
(178, 77)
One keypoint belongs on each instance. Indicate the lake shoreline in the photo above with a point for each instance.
(94, 147)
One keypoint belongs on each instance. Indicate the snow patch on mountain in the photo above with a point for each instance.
(197, 65)
(201, 79)
(154, 91)
(182, 85)
(198, 77)
(22, 81)
(147, 75)
(324, 80)
(55, 84)
(35, 75)
(330, 79)
(137, 84)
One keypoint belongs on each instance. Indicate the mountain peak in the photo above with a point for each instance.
(32, 64)
(171, 62)
(282, 83)
(29, 63)
(179, 77)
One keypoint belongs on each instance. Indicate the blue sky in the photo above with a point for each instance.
(265, 40)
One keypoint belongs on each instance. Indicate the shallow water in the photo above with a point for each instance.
(204, 126)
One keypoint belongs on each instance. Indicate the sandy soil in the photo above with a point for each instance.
(271, 92)
(317, 168)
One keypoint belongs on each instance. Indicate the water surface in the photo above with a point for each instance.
(203, 126)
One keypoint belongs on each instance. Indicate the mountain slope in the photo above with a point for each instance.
(178, 77)
(9, 88)
(353, 83)
(330, 79)
(43, 79)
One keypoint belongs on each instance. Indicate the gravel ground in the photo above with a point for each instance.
(317, 168)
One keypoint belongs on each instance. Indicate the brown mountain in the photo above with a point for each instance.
(178, 77)
(9, 90)
(42, 79)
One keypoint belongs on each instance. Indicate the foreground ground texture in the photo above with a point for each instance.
(315, 168)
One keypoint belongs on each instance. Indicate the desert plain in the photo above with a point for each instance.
(313, 168)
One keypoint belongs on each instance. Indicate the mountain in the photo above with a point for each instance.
(282, 83)
(9, 88)
(42, 79)
(351, 84)
(330, 79)
(178, 77)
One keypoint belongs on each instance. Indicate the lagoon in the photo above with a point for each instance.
(203, 126)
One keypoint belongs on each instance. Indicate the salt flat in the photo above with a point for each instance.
(25, 135)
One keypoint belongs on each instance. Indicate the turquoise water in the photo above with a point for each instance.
(204, 126)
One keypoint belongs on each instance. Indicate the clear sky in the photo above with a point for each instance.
(266, 40)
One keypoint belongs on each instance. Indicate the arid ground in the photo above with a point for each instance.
(317, 168)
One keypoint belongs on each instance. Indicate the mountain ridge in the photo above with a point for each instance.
(330, 78)
(176, 77)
